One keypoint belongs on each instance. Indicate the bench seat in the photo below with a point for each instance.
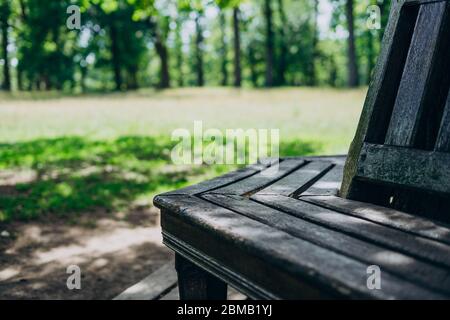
(287, 235)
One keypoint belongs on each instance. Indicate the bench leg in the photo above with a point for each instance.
(196, 284)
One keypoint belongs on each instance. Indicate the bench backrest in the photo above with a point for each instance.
(400, 157)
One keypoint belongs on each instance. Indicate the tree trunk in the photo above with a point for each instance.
(237, 48)
(353, 73)
(132, 79)
(282, 63)
(5, 41)
(20, 86)
(179, 54)
(270, 43)
(223, 50)
(115, 51)
(83, 71)
(199, 52)
(315, 42)
(163, 55)
(333, 72)
(252, 65)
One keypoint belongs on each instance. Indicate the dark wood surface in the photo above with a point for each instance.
(288, 236)
(418, 76)
(443, 141)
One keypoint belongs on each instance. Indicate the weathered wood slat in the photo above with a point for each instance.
(434, 252)
(386, 216)
(328, 185)
(153, 286)
(262, 179)
(416, 79)
(224, 180)
(299, 180)
(408, 167)
(172, 295)
(401, 265)
(242, 245)
(443, 140)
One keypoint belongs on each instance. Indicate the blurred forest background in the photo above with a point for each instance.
(129, 44)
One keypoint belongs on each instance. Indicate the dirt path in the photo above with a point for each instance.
(114, 251)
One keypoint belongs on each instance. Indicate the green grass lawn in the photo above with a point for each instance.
(65, 156)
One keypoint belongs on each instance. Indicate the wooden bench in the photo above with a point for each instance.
(312, 229)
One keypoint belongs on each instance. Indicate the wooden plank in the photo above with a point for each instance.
(224, 180)
(423, 248)
(443, 140)
(386, 216)
(299, 180)
(416, 80)
(328, 185)
(261, 179)
(172, 295)
(152, 286)
(420, 169)
(250, 250)
(235, 295)
(400, 264)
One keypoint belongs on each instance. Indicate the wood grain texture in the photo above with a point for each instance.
(328, 185)
(252, 250)
(443, 140)
(299, 180)
(391, 261)
(386, 216)
(429, 171)
(423, 248)
(416, 79)
(195, 283)
(263, 178)
(153, 286)
(223, 180)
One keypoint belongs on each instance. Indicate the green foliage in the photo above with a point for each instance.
(73, 174)
(125, 44)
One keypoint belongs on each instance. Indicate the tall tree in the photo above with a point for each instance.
(5, 12)
(315, 42)
(179, 52)
(237, 47)
(163, 54)
(157, 22)
(196, 8)
(199, 50)
(353, 72)
(270, 43)
(282, 60)
(223, 51)
(252, 61)
(116, 55)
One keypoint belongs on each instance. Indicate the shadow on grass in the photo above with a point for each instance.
(71, 175)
